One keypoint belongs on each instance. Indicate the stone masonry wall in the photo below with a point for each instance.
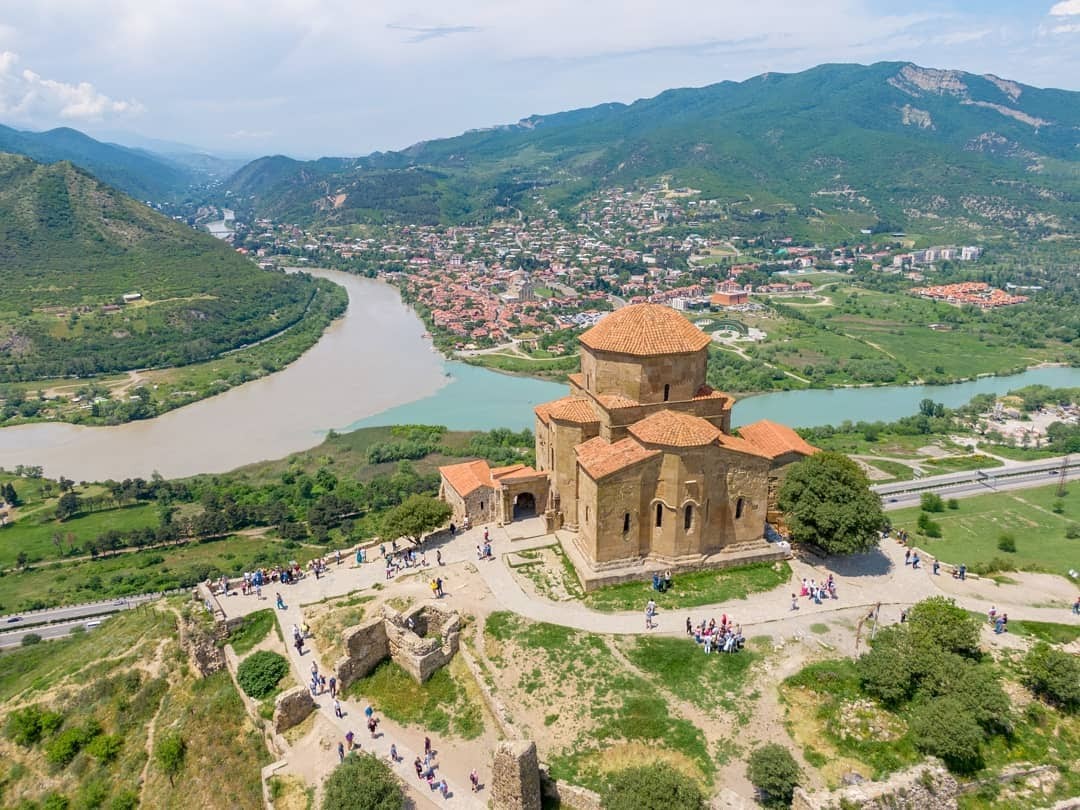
(429, 646)
(292, 708)
(366, 645)
(515, 776)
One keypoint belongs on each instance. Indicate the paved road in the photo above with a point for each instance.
(978, 482)
(73, 613)
(13, 638)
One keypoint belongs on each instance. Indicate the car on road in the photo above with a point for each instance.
(91, 624)
(13, 619)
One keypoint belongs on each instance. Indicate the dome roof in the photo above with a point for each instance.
(674, 429)
(645, 330)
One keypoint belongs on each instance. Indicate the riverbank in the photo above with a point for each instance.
(115, 399)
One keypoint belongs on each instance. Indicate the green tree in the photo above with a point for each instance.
(774, 772)
(939, 622)
(651, 787)
(943, 728)
(362, 782)
(67, 505)
(827, 502)
(416, 516)
(931, 502)
(886, 670)
(169, 752)
(1054, 675)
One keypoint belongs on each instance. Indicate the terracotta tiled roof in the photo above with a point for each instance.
(600, 459)
(674, 429)
(467, 477)
(502, 472)
(614, 402)
(774, 439)
(643, 330)
(568, 409)
(577, 378)
(738, 445)
(518, 474)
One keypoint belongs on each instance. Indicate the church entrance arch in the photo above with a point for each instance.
(524, 506)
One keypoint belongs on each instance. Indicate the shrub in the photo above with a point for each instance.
(943, 728)
(259, 673)
(1006, 542)
(928, 527)
(30, 639)
(1072, 530)
(931, 502)
(886, 671)
(69, 742)
(105, 747)
(1058, 506)
(1054, 675)
(651, 787)
(27, 726)
(362, 782)
(939, 622)
(952, 503)
(774, 772)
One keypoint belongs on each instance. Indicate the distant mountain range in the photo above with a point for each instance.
(890, 144)
(72, 247)
(147, 175)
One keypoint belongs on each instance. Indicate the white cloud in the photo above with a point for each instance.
(28, 97)
(960, 37)
(1066, 8)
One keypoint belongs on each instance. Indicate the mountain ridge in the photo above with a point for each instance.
(899, 135)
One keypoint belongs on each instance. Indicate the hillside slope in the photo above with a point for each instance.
(71, 247)
(890, 143)
(137, 172)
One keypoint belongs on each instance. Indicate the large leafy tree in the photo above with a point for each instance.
(827, 502)
(362, 782)
(774, 772)
(416, 516)
(652, 787)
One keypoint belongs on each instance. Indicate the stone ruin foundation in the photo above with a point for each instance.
(420, 649)
(292, 708)
(924, 787)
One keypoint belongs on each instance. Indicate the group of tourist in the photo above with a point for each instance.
(397, 561)
(816, 591)
(726, 637)
(999, 620)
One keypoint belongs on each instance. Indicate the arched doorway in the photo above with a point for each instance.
(524, 506)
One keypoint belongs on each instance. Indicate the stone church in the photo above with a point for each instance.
(639, 461)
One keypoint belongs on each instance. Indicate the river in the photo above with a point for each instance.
(374, 366)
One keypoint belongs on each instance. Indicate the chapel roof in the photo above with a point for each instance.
(568, 409)
(600, 459)
(674, 429)
(644, 330)
(468, 476)
(775, 440)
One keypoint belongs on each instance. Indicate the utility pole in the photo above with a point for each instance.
(1061, 477)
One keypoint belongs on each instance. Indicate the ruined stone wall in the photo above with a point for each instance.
(204, 640)
(924, 787)
(515, 776)
(429, 645)
(366, 645)
(569, 795)
(292, 707)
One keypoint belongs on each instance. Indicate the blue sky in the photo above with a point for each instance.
(314, 77)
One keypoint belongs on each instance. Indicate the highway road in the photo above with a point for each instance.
(72, 613)
(978, 482)
(13, 638)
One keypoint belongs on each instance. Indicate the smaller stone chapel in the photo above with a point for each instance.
(638, 463)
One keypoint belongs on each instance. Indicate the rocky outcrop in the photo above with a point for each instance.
(203, 640)
(515, 776)
(292, 708)
(924, 787)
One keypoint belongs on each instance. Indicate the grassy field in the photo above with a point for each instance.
(692, 590)
(34, 533)
(142, 571)
(551, 368)
(970, 534)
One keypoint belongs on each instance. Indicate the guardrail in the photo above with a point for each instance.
(982, 475)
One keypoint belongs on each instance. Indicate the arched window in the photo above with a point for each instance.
(688, 517)
(740, 504)
(659, 515)
(667, 392)
(586, 514)
(626, 522)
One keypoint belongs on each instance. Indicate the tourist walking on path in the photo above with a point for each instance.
(650, 611)
(1076, 606)
(341, 752)
(474, 780)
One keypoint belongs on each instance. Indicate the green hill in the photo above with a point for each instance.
(137, 172)
(890, 144)
(71, 247)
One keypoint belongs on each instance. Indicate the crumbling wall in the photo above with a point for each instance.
(515, 776)
(928, 786)
(429, 644)
(203, 640)
(292, 708)
(365, 647)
